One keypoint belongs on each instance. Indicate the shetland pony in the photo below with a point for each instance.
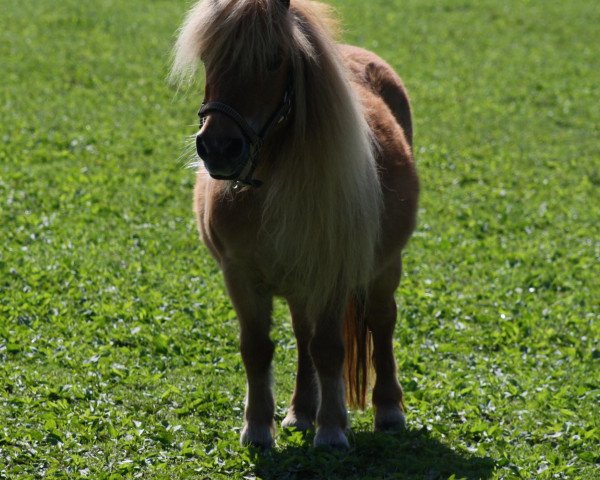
(307, 191)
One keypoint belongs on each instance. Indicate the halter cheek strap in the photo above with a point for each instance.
(244, 173)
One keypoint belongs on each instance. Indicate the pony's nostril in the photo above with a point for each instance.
(219, 149)
(201, 147)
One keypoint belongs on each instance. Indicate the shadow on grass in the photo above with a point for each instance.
(376, 456)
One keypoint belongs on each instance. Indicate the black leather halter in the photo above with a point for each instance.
(245, 170)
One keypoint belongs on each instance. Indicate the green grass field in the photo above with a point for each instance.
(118, 345)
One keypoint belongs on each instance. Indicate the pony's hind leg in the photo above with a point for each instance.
(381, 320)
(327, 352)
(254, 313)
(303, 408)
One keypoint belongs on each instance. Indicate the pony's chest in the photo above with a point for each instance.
(232, 226)
(246, 247)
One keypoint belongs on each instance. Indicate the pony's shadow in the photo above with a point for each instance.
(377, 456)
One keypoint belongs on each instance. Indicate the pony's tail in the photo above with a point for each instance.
(358, 352)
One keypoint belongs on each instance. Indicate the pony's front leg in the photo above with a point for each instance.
(303, 408)
(253, 307)
(327, 351)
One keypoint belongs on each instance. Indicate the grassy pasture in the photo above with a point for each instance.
(118, 345)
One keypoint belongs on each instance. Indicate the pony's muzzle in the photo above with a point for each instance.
(224, 155)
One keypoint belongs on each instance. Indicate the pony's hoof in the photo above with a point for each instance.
(332, 438)
(300, 422)
(390, 420)
(257, 436)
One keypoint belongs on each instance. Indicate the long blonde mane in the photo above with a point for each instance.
(323, 203)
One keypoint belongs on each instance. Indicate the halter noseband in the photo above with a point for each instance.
(243, 175)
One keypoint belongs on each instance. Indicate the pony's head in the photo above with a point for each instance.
(245, 47)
